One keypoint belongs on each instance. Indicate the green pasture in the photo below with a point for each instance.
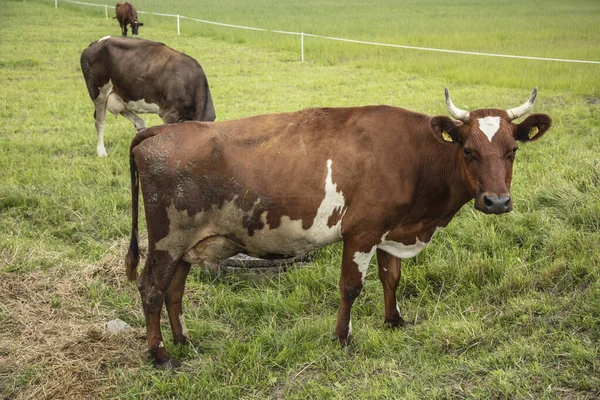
(550, 29)
(501, 306)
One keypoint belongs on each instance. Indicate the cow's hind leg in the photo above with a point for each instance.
(135, 119)
(355, 261)
(170, 115)
(153, 284)
(174, 303)
(389, 275)
(99, 117)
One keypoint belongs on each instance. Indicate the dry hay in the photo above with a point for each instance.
(53, 343)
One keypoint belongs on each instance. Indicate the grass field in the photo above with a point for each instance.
(558, 29)
(502, 306)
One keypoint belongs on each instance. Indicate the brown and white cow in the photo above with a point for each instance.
(128, 76)
(126, 14)
(380, 179)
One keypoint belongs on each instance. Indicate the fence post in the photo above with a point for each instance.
(55, 3)
(302, 44)
(178, 28)
(106, 10)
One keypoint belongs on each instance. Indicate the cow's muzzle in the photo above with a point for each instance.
(494, 204)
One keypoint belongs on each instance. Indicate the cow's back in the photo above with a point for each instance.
(279, 182)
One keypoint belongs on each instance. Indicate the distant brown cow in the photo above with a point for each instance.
(129, 75)
(126, 14)
(380, 179)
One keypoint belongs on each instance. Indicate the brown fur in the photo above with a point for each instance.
(396, 174)
(144, 70)
(126, 14)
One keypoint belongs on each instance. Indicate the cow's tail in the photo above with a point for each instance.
(133, 254)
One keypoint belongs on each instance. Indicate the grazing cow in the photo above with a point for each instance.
(128, 76)
(380, 179)
(126, 14)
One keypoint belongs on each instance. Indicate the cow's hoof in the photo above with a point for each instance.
(397, 324)
(344, 341)
(167, 365)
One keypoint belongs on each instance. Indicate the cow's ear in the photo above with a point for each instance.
(445, 130)
(533, 127)
(140, 23)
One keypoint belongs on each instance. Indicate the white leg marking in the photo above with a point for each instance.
(349, 329)
(184, 330)
(489, 126)
(363, 260)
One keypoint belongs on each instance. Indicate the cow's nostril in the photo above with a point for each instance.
(488, 201)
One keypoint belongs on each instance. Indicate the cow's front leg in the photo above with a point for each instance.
(153, 284)
(355, 262)
(389, 275)
(174, 303)
(124, 30)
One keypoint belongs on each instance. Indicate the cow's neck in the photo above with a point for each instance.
(444, 187)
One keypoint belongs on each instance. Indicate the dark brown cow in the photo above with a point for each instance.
(126, 14)
(380, 179)
(128, 76)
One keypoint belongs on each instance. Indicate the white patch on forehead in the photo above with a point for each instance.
(104, 38)
(288, 238)
(489, 126)
(363, 260)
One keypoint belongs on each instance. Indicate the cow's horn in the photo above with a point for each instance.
(515, 113)
(457, 113)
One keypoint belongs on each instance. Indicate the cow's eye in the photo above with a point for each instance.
(467, 152)
(513, 153)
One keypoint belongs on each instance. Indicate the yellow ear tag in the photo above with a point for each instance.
(447, 137)
(533, 131)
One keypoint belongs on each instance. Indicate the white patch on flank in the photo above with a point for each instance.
(115, 105)
(363, 260)
(489, 126)
(184, 330)
(104, 38)
(187, 233)
(161, 345)
(401, 250)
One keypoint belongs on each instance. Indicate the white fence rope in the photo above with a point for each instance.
(302, 35)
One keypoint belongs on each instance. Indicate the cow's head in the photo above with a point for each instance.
(488, 140)
(135, 26)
